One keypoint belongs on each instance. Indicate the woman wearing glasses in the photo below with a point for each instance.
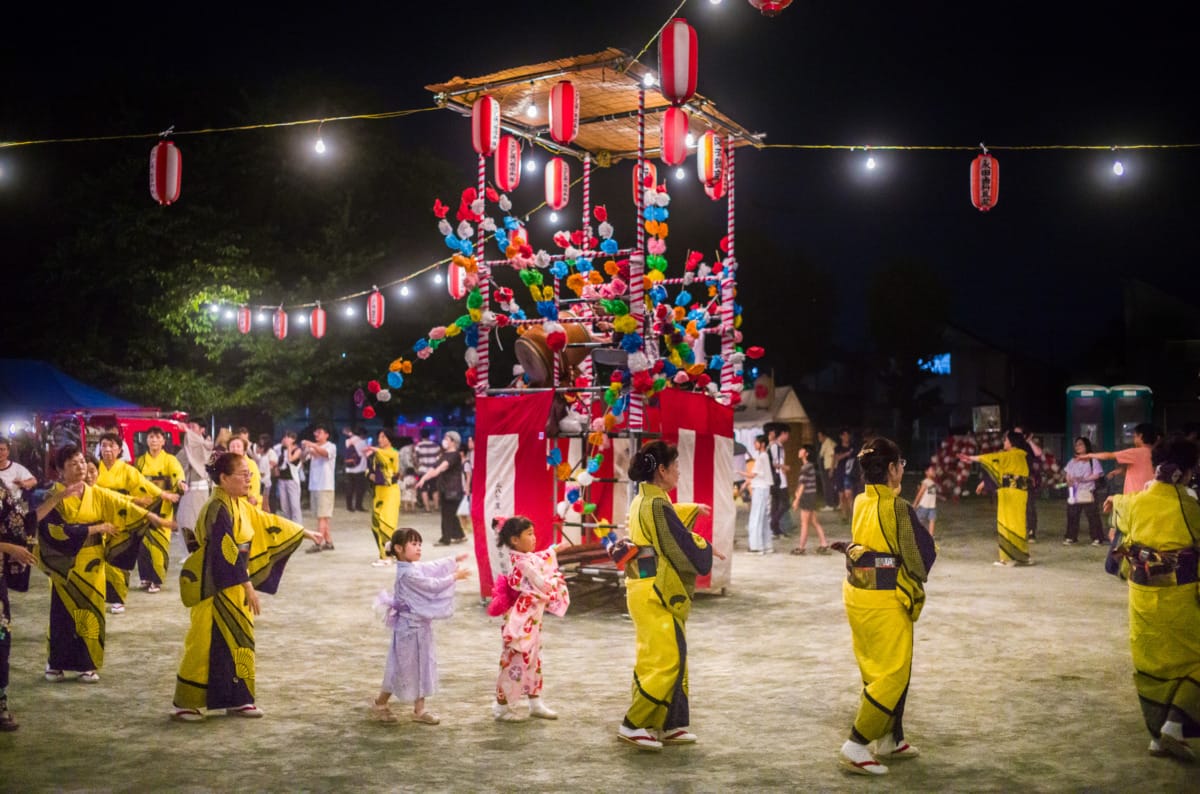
(887, 563)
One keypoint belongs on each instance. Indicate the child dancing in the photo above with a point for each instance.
(424, 592)
(534, 587)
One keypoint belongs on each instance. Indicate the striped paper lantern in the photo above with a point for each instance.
(770, 8)
(508, 163)
(558, 183)
(166, 172)
(243, 319)
(485, 124)
(316, 322)
(564, 112)
(985, 182)
(456, 282)
(375, 309)
(710, 158)
(674, 136)
(648, 177)
(279, 323)
(677, 56)
(715, 191)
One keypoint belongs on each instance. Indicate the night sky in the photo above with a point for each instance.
(1041, 273)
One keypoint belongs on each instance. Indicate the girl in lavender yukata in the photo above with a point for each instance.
(424, 592)
(536, 587)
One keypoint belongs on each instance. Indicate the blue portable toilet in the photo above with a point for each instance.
(1132, 404)
(1089, 414)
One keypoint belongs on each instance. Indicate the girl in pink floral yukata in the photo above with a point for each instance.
(534, 587)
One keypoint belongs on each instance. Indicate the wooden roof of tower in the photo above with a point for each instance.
(608, 100)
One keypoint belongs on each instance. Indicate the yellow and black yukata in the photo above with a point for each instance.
(127, 481)
(887, 564)
(383, 469)
(239, 543)
(660, 583)
(1159, 555)
(1007, 473)
(166, 473)
(75, 563)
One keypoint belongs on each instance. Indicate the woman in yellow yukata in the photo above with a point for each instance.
(1007, 474)
(383, 469)
(87, 526)
(165, 471)
(242, 552)
(887, 563)
(118, 476)
(660, 582)
(1158, 552)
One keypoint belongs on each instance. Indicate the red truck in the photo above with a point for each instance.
(83, 428)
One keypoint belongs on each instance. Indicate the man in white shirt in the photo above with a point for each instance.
(15, 477)
(322, 458)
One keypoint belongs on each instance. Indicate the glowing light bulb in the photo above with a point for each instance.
(871, 163)
(1118, 169)
(404, 290)
(320, 146)
(649, 80)
(262, 318)
(349, 311)
(554, 217)
(680, 173)
(531, 111)
(715, 2)
(300, 318)
(437, 277)
(214, 308)
(531, 166)
(229, 314)
(690, 139)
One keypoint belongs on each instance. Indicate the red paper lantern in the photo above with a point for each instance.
(375, 309)
(280, 323)
(456, 282)
(673, 150)
(508, 163)
(677, 61)
(243, 319)
(715, 191)
(770, 8)
(485, 124)
(710, 158)
(985, 182)
(316, 322)
(166, 171)
(558, 183)
(649, 178)
(564, 112)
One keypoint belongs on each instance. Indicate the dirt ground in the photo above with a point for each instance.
(1022, 681)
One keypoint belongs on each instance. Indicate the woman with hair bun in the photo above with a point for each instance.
(1159, 555)
(241, 552)
(660, 582)
(1007, 474)
(887, 563)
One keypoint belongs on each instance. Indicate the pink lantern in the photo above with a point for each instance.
(674, 136)
(985, 182)
(508, 163)
(770, 8)
(648, 178)
(166, 172)
(485, 124)
(280, 323)
(710, 158)
(564, 112)
(243, 319)
(375, 309)
(677, 56)
(558, 183)
(316, 322)
(456, 282)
